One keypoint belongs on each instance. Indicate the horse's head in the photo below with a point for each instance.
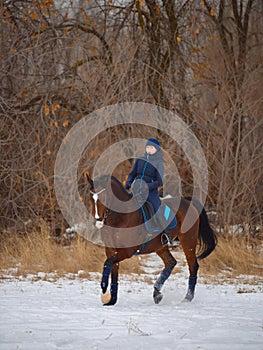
(98, 194)
(107, 195)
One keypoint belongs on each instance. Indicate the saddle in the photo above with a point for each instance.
(158, 223)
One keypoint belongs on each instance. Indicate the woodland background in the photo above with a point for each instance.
(61, 60)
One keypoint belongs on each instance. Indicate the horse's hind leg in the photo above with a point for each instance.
(169, 262)
(193, 268)
(188, 243)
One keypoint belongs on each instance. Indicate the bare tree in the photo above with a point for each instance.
(62, 60)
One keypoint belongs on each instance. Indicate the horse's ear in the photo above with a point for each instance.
(89, 179)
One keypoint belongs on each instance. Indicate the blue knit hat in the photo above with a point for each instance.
(154, 143)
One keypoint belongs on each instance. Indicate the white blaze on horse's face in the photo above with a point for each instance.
(99, 223)
(95, 198)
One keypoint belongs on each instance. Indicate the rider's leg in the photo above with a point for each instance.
(165, 238)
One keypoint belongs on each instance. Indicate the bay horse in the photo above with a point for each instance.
(120, 245)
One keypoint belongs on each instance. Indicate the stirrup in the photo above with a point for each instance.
(165, 239)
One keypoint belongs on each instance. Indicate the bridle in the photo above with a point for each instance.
(107, 211)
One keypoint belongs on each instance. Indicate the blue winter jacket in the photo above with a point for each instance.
(149, 168)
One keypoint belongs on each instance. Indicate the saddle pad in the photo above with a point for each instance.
(166, 219)
(170, 217)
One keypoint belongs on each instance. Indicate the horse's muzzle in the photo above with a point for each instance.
(99, 223)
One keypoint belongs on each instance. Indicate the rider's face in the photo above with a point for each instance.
(151, 150)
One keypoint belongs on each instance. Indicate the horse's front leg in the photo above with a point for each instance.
(111, 298)
(170, 263)
(110, 268)
(105, 275)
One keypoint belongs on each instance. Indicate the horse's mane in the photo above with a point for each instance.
(105, 178)
(115, 180)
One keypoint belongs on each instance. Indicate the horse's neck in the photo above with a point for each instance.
(120, 193)
(123, 196)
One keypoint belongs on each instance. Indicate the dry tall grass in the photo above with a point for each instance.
(33, 252)
(234, 256)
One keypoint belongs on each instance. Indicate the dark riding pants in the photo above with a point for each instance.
(154, 198)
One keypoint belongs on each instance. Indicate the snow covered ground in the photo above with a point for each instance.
(68, 314)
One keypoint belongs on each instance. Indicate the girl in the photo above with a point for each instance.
(148, 170)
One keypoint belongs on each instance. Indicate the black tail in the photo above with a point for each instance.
(206, 235)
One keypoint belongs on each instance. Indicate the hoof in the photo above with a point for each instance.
(189, 297)
(105, 298)
(112, 301)
(185, 300)
(157, 297)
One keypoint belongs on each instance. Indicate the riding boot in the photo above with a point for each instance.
(165, 238)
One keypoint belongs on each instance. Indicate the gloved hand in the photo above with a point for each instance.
(128, 186)
(140, 189)
(144, 188)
